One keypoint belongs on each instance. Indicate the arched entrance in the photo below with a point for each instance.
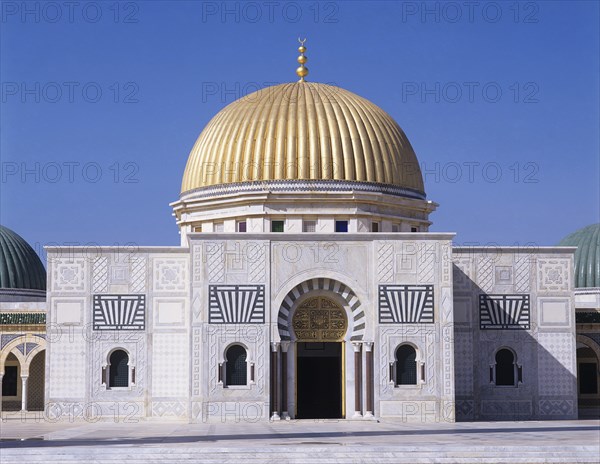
(36, 382)
(11, 384)
(22, 371)
(588, 378)
(319, 325)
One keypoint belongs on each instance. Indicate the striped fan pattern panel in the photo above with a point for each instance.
(119, 312)
(236, 304)
(504, 311)
(404, 304)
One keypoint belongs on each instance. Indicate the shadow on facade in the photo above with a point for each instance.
(538, 383)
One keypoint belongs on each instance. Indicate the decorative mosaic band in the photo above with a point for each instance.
(22, 318)
(302, 185)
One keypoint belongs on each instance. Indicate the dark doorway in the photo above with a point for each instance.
(9, 381)
(319, 380)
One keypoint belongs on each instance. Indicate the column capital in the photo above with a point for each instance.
(356, 346)
(368, 346)
(275, 346)
(285, 345)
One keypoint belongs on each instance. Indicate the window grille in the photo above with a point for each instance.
(236, 372)
(406, 365)
(119, 369)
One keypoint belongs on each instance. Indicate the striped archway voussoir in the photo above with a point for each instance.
(358, 315)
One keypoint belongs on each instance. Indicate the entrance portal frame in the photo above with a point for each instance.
(346, 299)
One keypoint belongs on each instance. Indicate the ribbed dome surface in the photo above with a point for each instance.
(302, 131)
(587, 256)
(20, 266)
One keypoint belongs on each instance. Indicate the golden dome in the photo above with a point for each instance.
(302, 131)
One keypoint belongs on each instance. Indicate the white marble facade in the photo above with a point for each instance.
(176, 335)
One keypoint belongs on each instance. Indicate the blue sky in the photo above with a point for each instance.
(102, 101)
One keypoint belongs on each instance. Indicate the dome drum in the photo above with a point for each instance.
(302, 150)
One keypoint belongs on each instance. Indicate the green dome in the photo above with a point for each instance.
(587, 256)
(20, 266)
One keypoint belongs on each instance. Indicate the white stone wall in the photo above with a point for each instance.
(359, 263)
(79, 351)
(545, 350)
(417, 262)
(224, 263)
(180, 351)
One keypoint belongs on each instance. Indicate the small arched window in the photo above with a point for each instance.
(118, 371)
(235, 368)
(406, 365)
(505, 368)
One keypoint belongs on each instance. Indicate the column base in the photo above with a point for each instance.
(275, 417)
(369, 415)
(357, 415)
(285, 416)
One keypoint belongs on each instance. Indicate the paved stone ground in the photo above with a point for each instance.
(27, 440)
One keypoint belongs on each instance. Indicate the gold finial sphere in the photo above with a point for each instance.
(302, 72)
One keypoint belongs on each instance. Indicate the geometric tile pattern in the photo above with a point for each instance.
(257, 263)
(505, 312)
(385, 261)
(448, 345)
(523, 274)
(6, 338)
(68, 366)
(36, 382)
(29, 347)
(556, 371)
(100, 275)
(463, 363)
(236, 304)
(168, 408)
(402, 304)
(506, 408)
(462, 270)
(170, 275)
(215, 262)
(426, 263)
(465, 409)
(556, 407)
(170, 365)
(553, 275)
(485, 274)
(138, 275)
(119, 312)
(197, 262)
(68, 276)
